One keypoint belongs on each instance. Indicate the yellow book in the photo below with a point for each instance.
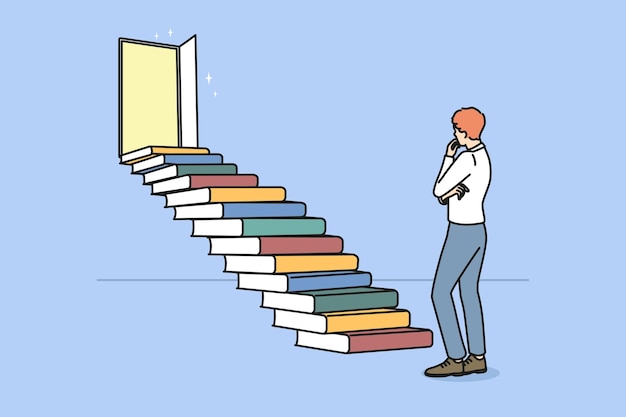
(343, 321)
(151, 151)
(278, 264)
(382, 318)
(224, 195)
(306, 263)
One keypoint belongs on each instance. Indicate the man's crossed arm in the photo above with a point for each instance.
(459, 190)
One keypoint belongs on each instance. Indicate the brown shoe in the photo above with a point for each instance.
(473, 365)
(445, 368)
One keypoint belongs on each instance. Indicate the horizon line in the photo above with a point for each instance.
(235, 280)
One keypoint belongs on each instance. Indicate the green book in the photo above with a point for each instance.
(173, 171)
(341, 299)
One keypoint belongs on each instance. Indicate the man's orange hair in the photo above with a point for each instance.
(469, 120)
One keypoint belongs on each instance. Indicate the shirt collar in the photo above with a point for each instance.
(477, 147)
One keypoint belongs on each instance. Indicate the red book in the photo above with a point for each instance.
(190, 182)
(300, 244)
(275, 245)
(367, 340)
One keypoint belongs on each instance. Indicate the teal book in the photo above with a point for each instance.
(173, 171)
(259, 227)
(323, 301)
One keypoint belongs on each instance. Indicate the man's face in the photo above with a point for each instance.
(461, 137)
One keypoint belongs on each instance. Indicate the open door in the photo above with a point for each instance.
(157, 95)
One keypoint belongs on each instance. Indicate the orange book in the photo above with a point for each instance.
(342, 321)
(275, 264)
(207, 195)
(150, 151)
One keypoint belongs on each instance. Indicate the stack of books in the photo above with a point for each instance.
(272, 245)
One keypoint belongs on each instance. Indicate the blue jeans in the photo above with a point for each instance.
(460, 262)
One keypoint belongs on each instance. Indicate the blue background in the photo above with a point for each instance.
(347, 106)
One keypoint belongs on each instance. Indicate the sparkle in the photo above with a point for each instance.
(156, 36)
(170, 32)
(214, 93)
(209, 78)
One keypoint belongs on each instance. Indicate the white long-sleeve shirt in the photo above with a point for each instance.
(472, 168)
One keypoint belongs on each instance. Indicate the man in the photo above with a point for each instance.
(462, 184)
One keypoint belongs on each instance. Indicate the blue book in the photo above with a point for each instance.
(308, 281)
(240, 210)
(162, 161)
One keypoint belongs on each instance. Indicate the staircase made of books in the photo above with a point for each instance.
(274, 247)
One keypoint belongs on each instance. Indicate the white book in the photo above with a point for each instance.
(234, 245)
(217, 227)
(160, 174)
(289, 301)
(139, 153)
(301, 321)
(263, 282)
(148, 163)
(199, 211)
(335, 342)
(181, 198)
(260, 264)
(173, 184)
